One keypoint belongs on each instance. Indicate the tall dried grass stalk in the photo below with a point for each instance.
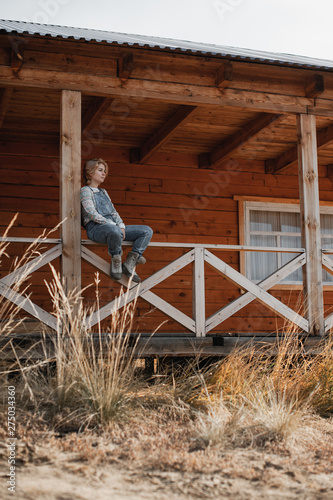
(94, 373)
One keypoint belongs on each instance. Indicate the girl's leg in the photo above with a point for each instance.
(106, 234)
(140, 236)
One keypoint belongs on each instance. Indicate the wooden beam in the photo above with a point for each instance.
(168, 344)
(204, 160)
(70, 183)
(327, 264)
(164, 134)
(95, 111)
(189, 94)
(322, 107)
(169, 310)
(251, 130)
(175, 346)
(169, 244)
(198, 288)
(224, 75)
(330, 172)
(284, 161)
(310, 222)
(125, 66)
(290, 157)
(324, 137)
(314, 86)
(5, 98)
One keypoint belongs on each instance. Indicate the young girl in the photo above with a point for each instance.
(104, 225)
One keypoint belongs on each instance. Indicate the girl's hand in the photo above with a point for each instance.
(123, 231)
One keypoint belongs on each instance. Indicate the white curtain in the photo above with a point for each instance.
(281, 229)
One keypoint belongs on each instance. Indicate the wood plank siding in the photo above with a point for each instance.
(184, 135)
(148, 195)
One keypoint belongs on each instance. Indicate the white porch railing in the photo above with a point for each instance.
(197, 255)
(328, 266)
(23, 301)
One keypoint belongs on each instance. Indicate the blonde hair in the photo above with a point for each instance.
(90, 167)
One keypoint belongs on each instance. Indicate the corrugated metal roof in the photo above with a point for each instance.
(162, 43)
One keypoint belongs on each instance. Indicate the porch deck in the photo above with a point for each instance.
(190, 140)
(31, 343)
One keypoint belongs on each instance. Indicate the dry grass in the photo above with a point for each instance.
(259, 397)
(278, 402)
(90, 379)
(89, 375)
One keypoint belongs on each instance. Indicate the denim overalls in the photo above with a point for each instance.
(111, 234)
(105, 207)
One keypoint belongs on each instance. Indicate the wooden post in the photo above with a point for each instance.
(70, 183)
(198, 290)
(310, 222)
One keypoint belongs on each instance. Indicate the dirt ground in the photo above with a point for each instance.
(269, 480)
(53, 483)
(130, 463)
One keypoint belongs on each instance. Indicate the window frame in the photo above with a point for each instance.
(246, 204)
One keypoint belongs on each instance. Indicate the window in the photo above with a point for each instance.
(278, 225)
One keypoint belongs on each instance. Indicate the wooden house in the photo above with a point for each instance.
(226, 153)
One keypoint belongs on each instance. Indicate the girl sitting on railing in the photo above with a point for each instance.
(104, 225)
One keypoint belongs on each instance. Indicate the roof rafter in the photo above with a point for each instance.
(290, 157)
(314, 86)
(224, 75)
(125, 66)
(231, 144)
(94, 112)
(164, 134)
(330, 171)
